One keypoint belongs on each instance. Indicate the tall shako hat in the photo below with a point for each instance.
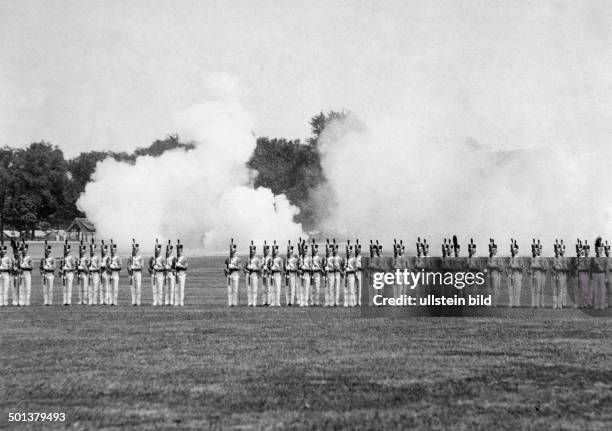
(82, 248)
(579, 249)
(456, 246)
(232, 247)
(422, 246)
(274, 248)
(157, 247)
(113, 247)
(599, 248)
(335, 246)
(446, 247)
(514, 248)
(66, 247)
(289, 248)
(179, 246)
(48, 248)
(585, 248)
(252, 249)
(92, 247)
(135, 247)
(266, 249)
(559, 248)
(349, 247)
(607, 249)
(492, 247)
(371, 249)
(328, 247)
(104, 248)
(169, 248)
(536, 248)
(471, 248)
(378, 249)
(398, 247)
(24, 246)
(357, 247)
(314, 247)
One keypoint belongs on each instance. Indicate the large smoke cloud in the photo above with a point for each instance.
(202, 196)
(390, 181)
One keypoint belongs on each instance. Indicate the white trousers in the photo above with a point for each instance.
(67, 287)
(316, 291)
(114, 293)
(15, 291)
(170, 288)
(252, 289)
(559, 290)
(305, 289)
(329, 289)
(537, 288)
(290, 289)
(179, 298)
(349, 290)
(358, 281)
(136, 287)
(5, 287)
(158, 288)
(514, 288)
(105, 289)
(277, 280)
(83, 287)
(337, 287)
(232, 288)
(26, 288)
(48, 288)
(93, 288)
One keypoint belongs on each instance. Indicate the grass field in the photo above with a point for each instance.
(209, 367)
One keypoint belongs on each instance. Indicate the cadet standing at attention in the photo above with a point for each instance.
(598, 276)
(538, 275)
(278, 266)
(67, 269)
(47, 268)
(494, 268)
(252, 269)
(26, 274)
(170, 273)
(83, 274)
(94, 275)
(115, 267)
(159, 266)
(291, 275)
(232, 272)
(560, 270)
(6, 264)
(317, 273)
(104, 275)
(515, 272)
(358, 272)
(305, 269)
(583, 295)
(338, 269)
(349, 277)
(330, 275)
(266, 275)
(399, 264)
(135, 265)
(181, 275)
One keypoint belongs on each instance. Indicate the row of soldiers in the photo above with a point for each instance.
(97, 276)
(305, 272)
(592, 273)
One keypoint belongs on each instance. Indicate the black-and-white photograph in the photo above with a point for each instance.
(322, 215)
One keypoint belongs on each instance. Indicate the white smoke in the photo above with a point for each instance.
(390, 181)
(202, 196)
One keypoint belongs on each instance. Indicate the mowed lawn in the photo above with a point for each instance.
(206, 366)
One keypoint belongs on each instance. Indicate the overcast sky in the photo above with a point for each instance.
(114, 74)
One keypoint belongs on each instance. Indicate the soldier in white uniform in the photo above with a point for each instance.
(560, 269)
(47, 268)
(291, 275)
(83, 274)
(26, 275)
(115, 267)
(94, 274)
(358, 273)
(330, 275)
(538, 275)
(159, 268)
(232, 272)
(105, 275)
(252, 270)
(181, 275)
(277, 267)
(135, 268)
(6, 264)
(399, 264)
(338, 269)
(349, 277)
(305, 270)
(318, 263)
(266, 275)
(514, 270)
(170, 276)
(67, 269)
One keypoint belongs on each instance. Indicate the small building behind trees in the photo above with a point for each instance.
(80, 229)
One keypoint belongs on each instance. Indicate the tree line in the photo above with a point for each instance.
(39, 188)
